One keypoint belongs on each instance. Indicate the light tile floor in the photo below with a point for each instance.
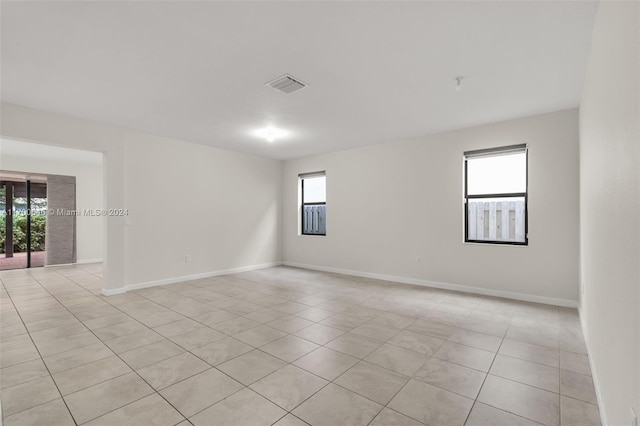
(284, 346)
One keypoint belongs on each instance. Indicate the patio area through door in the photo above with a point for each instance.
(23, 218)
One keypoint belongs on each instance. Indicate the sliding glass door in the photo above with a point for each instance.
(11, 256)
(23, 217)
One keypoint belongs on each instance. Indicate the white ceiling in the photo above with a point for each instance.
(378, 71)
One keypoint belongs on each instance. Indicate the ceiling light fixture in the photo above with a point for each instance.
(270, 133)
(458, 86)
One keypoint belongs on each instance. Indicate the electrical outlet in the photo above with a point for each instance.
(634, 417)
(187, 258)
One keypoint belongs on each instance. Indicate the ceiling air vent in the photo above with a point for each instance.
(286, 84)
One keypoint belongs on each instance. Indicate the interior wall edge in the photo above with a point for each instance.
(594, 373)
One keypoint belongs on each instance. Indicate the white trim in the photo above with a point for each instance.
(113, 291)
(594, 375)
(183, 278)
(446, 286)
(83, 261)
(58, 264)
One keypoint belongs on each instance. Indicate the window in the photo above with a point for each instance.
(313, 190)
(495, 195)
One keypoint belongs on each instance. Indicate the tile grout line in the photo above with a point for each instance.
(242, 297)
(40, 354)
(214, 367)
(117, 355)
(475, 400)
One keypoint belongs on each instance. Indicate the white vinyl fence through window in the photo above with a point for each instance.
(314, 219)
(502, 220)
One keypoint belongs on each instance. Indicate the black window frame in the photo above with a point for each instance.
(302, 177)
(488, 152)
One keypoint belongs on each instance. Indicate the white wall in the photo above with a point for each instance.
(610, 209)
(89, 195)
(389, 204)
(220, 207)
(231, 184)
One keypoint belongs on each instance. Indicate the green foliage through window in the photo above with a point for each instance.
(38, 223)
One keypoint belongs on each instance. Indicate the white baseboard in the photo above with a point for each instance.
(594, 373)
(113, 291)
(58, 264)
(130, 287)
(406, 280)
(83, 261)
(445, 286)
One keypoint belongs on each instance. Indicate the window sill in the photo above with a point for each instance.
(473, 243)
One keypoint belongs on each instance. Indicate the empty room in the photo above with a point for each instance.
(320, 213)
